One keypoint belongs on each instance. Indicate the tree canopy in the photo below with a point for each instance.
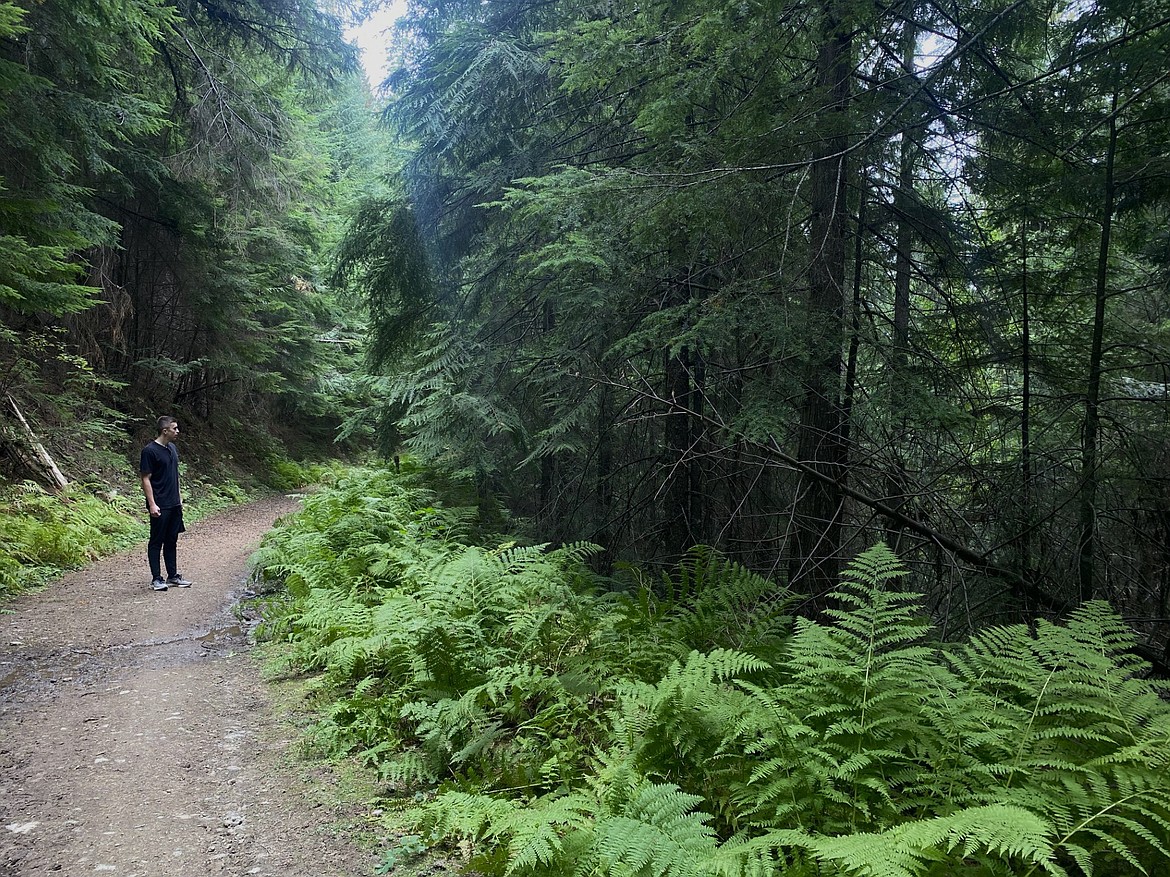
(783, 277)
(173, 178)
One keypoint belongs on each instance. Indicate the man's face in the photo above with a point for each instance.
(170, 433)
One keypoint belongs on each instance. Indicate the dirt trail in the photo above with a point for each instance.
(136, 737)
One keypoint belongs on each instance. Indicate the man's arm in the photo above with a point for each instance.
(148, 490)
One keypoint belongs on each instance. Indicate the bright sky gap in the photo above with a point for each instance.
(372, 38)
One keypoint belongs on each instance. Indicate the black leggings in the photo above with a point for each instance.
(164, 539)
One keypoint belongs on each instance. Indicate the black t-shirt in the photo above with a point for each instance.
(161, 463)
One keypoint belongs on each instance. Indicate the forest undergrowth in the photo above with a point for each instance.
(544, 720)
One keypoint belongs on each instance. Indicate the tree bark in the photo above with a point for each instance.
(1087, 543)
(815, 561)
(678, 529)
(896, 480)
(605, 432)
(1026, 499)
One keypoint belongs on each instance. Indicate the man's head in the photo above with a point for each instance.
(168, 429)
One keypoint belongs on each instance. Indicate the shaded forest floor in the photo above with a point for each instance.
(136, 735)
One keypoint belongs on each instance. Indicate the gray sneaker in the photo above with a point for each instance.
(177, 581)
(158, 585)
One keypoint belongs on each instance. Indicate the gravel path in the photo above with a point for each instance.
(136, 737)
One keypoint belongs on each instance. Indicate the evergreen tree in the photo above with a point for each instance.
(175, 178)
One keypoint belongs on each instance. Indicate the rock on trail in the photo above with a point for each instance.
(136, 737)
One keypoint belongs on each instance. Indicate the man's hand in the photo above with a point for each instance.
(155, 511)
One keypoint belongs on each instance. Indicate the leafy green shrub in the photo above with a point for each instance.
(204, 497)
(869, 750)
(497, 661)
(289, 474)
(686, 725)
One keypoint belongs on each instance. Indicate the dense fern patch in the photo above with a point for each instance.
(557, 723)
(42, 534)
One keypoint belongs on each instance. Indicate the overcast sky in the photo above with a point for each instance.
(372, 39)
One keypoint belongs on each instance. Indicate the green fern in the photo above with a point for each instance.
(687, 726)
(659, 831)
(1119, 819)
(1079, 734)
(679, 730)
(409, 769)
(43, 534)
(840, 736)
(707, 602)
(992, 840)
(541, 835)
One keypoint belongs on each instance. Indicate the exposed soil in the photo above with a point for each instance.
(136, 736)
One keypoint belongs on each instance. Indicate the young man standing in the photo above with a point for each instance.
(159, 468)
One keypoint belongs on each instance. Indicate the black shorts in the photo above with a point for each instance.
(168, 525)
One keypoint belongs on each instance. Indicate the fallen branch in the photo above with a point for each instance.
(32, 453)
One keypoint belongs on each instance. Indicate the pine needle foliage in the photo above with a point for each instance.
(686, 726)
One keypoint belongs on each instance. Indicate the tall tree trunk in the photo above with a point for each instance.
(1087, 548)
(850, 392)
(896, 480)
(816, 559)
(548, 496)
(678, 535)
(1027, 513)
(696, 480)
(605, 435)
(903, 197)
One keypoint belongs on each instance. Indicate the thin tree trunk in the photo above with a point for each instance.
(605, 537)
(548, 497)
(1027, 513)
(816, 559)
(855, 314)
(1087, 548)
(696, 480)
(677, 527)
(896, 479)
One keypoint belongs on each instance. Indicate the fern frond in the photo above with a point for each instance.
(997, 836)
(707, 602)
(408, 769)
(854, 694)
(1065, 695)
(1118, 816)
(536, 836)
(532, 833)
(658, 831)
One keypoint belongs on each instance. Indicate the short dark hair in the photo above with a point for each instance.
(165, 421)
